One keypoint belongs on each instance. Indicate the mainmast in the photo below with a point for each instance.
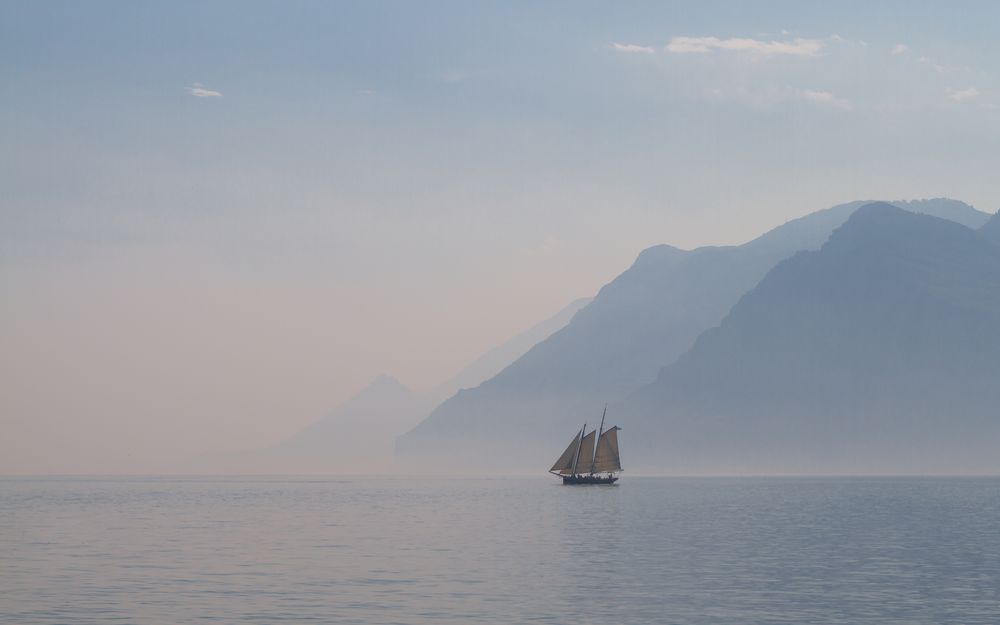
(599, 431)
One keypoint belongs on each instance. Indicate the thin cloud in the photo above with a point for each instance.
(961, 94)
(835, 38)
(703, 45)
(632, 48)
(899, 48)
(824, 98)
(935, 66)
(198, 90)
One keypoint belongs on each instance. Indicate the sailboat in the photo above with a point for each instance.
(586, 463)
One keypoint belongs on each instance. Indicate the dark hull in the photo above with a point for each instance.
(589, 479)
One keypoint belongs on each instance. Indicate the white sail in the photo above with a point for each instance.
(607, 460)
(564, 465)
(586, 453)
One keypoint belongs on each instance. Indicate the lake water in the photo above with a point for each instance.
(372, 550)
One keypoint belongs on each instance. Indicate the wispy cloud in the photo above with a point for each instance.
(769, 98)
(961, 94)
(199, 90)
(899, 48)
(824, 98)
(702, 45)
(835, 38)
(631, 47)
(935, 66)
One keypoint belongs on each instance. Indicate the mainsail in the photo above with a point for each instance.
(564, 465)
(586, 453)
(606, 460)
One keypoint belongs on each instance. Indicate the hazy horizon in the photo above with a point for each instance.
(221, 221)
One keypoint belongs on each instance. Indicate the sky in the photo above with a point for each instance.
(220, 220)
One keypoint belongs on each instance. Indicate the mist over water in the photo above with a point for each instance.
(286, 290)
(380, 550)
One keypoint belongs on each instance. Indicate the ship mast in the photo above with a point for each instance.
(600, 430)
(576, 458)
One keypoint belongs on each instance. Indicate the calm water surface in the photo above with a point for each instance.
(373, 550)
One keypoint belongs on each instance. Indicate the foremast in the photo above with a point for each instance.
(579, 448)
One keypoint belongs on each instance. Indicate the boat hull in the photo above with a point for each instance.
(580, 480)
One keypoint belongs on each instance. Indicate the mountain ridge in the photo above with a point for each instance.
(991, 229)
(874, 353)
(643, 319)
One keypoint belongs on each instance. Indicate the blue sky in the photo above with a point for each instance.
(359, 187)
(406, 107)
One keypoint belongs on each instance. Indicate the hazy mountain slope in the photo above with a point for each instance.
(496, 359)
(991, 229)
(952, 210)
(879, 352)
(645, 318)
(356, 437)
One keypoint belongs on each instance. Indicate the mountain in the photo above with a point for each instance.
(356, 437)
(991, 229)
(495, 360)
(642, 320)
(945, 208)
(877, 353)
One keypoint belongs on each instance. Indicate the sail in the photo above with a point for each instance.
(586, 453)
(564, 464)
(607, 460)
